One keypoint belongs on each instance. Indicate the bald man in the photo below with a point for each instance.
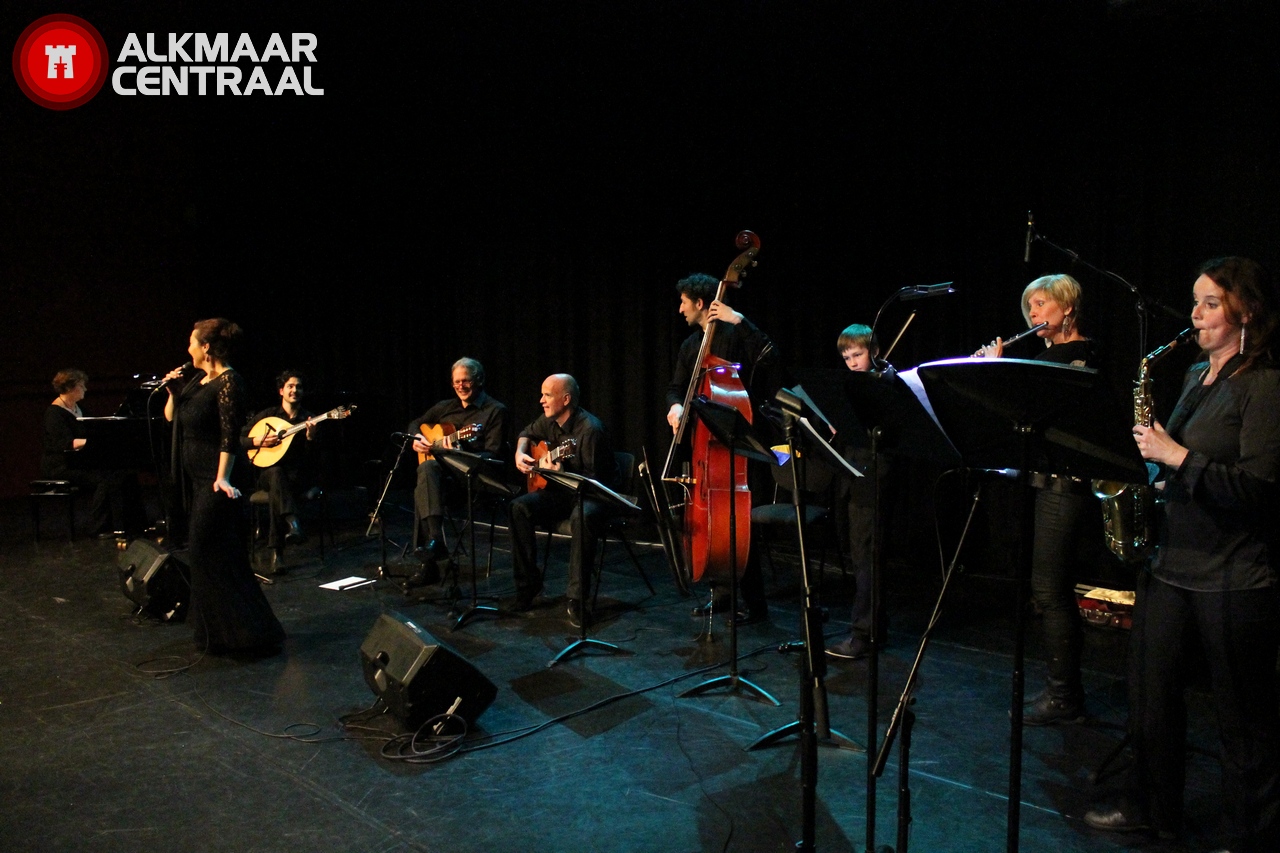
(562, 419)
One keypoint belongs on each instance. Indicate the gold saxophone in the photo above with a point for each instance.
(1128, 509)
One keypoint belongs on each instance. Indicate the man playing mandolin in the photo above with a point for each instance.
(563, 424)
(471, 412)
(293, 474)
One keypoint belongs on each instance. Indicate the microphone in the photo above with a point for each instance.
(402, 435)
(186, 365)
(924, 291)
(1031, 230)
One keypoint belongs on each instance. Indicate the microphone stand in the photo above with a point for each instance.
(1143, 305)
(906, 294)
(375, 517)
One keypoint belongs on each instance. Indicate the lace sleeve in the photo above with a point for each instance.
(232, 411)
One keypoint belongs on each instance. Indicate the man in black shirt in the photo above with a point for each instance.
(736, 339)
(562, 421)
(469, 406)
(293, 474)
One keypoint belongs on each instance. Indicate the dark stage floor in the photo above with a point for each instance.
(99, 753)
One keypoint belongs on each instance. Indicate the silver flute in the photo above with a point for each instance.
(1037, 327)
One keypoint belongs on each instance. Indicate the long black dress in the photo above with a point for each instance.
(228, 608)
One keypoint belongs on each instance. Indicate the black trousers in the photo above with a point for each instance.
(428, 498)
(281, 484)
(545, 509)
(1240, 633)
(1059, 518)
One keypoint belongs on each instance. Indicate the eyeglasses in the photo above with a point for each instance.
(466, 383)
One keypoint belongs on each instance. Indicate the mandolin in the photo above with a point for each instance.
(446, 437)
(265, 457)
(544, 457)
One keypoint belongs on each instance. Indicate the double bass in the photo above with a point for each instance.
(713, 497)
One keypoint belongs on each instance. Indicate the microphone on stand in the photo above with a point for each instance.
(924, 291)
(1031, 230)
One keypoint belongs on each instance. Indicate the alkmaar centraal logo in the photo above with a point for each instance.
(60, 61)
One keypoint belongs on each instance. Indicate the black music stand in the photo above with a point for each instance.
(733, 431)
(1032, 416)
(473, 467)
(807, 445)
(584, 487)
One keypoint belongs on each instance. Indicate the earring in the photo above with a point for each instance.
(1242, 338)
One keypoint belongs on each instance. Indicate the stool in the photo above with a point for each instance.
(54, 490)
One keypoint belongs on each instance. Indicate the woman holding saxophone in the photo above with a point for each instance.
(1063, 506)
(1214, 573)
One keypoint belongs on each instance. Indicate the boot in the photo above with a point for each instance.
(1061, 702)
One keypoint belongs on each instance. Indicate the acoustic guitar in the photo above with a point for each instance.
(446, 437)
(265, 457)
(544, 456)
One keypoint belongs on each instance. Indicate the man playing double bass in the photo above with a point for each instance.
(736, 339)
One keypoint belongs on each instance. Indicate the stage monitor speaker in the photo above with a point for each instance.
(418, 677)
(155, 580)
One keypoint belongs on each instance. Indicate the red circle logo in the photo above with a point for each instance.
(60, 61)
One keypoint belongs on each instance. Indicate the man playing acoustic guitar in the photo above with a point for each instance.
(471, 412)
(293, 474)
(563, 424)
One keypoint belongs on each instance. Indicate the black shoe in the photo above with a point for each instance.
(294, 533)
(1050, 710)
(1118, 818)
(428, 572)
(854, 648)
(574, 612)
(750, 615)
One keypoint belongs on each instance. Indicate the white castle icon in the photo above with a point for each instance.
(60, 54)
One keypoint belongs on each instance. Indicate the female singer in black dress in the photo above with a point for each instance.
(1213, 579)
(228, 608)
(1062, 510)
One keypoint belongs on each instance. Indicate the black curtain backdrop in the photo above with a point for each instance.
(524, 183)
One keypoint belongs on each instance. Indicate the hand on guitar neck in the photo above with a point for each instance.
(543, 457)
(433, 437)
(270, 437)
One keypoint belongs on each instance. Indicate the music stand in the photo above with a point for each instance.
(813, 723)
(806, 445)
(1032, 416)
(582, 488)
(733, 431)
(472, 467)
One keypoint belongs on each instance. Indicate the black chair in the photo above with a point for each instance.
(260, 506)
(779, 517)
(617, 526)
(52, 491)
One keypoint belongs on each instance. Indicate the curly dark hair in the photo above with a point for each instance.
(698, 286)
(285, 375)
